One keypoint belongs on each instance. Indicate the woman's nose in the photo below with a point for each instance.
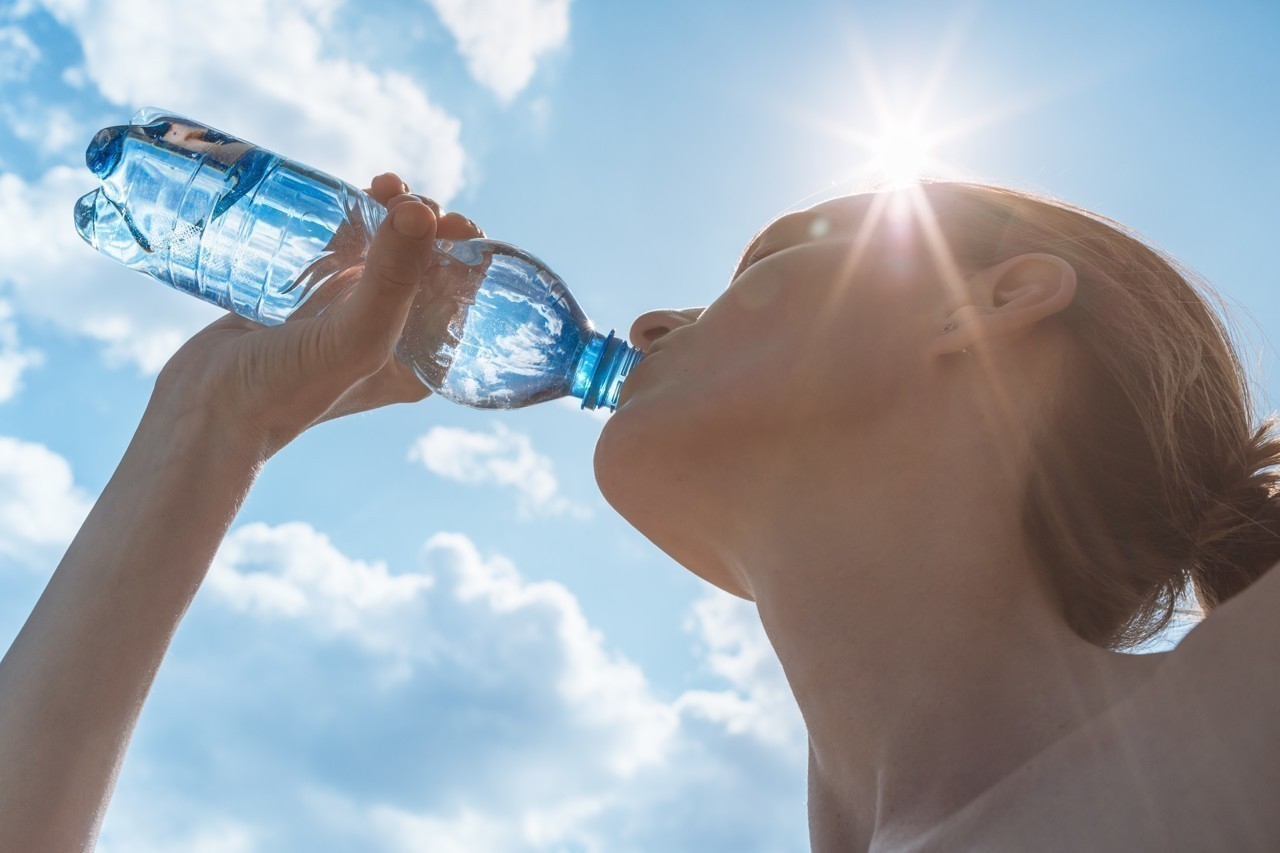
(650, 326)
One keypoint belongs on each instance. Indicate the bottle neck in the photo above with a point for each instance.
(604, 365)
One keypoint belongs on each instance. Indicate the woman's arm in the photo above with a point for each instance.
(74, 681)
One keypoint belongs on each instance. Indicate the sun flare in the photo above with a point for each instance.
(901, 154)
(896, 125)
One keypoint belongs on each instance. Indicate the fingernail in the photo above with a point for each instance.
(411, 220)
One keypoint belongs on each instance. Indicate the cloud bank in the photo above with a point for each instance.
(453, 706)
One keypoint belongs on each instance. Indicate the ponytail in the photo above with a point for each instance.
(1240, 538)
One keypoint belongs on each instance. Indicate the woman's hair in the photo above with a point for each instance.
(1150, 477)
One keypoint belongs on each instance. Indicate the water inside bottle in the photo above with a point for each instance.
(221, 219)
(494, 328)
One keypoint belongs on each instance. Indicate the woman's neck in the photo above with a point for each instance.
(927, 659)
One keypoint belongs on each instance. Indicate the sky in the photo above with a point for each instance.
(426, 630)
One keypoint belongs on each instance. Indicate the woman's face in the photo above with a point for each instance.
(818, 335)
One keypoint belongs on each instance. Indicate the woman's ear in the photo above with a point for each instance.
(1008, 300)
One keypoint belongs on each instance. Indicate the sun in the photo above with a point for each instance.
(893, 136)
(901, 154)
(896, 145)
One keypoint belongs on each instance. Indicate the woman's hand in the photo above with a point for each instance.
(267, 384)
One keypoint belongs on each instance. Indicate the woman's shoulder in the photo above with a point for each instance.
(1189, 761)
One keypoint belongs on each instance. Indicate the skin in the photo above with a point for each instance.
(842, 443)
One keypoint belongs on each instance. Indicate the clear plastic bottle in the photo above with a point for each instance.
(260, 235)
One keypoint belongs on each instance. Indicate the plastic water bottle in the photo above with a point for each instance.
(260, 235)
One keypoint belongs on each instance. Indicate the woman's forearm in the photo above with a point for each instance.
(75, 679)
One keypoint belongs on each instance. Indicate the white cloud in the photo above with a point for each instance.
(317, 701)
(605, 692)
(18, 54)
(535, 729)
(51, 130)
(14, 359)
(502, 40)
(276, 78)
(760, 701)
(41, 508)
(293, 571)
(18, 9)
(75, 76)
(502, 458)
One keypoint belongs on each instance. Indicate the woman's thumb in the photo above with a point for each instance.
(375, 313)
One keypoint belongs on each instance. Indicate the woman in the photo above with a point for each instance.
(958, 444)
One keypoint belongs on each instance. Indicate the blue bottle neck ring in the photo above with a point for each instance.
(604, 364)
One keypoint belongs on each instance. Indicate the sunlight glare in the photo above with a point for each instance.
(901, 155)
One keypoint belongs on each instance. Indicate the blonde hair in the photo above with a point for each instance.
(1152, 478)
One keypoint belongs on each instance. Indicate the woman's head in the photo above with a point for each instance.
(1138, 467)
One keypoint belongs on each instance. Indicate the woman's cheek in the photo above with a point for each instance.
(755, 293)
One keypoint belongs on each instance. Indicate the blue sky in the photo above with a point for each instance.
(426, 630)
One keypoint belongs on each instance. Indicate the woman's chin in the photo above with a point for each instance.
(618, 449)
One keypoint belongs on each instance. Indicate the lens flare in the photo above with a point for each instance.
(901, 155)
